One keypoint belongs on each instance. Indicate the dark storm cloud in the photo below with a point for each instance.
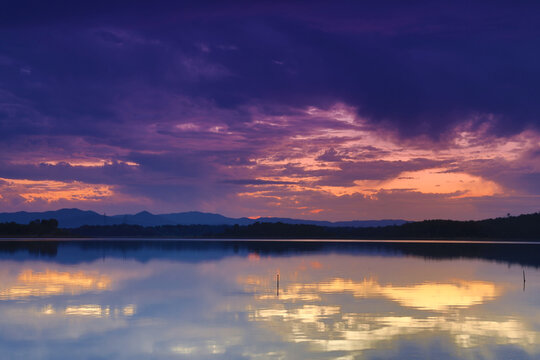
(418, 66)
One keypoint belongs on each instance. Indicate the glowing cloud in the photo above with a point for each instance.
(440, 181)
(199, 123)
(49, 191)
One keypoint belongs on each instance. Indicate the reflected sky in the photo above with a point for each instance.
(30, 283)
(187, 304)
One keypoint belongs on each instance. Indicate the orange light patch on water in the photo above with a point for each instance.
(442, 297)
(90, 310)
(30, 283)
(425, 296)
(330, 328)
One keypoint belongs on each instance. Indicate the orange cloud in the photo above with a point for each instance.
(460, 165)
(49, 190)
(439, 181)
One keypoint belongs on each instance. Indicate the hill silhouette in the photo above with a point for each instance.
(74, 218)
(526, 227)
(516, 227)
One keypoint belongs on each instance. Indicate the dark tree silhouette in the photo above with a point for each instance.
(508, 228)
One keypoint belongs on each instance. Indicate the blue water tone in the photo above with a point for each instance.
(139, 299)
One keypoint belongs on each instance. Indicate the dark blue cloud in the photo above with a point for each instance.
(418, 67)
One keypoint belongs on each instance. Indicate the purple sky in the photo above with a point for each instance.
(324, 110)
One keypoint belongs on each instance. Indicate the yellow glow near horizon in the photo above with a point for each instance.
(353, 140)
(429, 181)
(439, 181)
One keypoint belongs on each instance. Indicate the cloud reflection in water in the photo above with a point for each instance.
(329, 306)
(51, 282)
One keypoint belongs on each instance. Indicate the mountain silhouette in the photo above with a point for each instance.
(73, 218)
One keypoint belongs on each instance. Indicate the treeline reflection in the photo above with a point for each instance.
(76, 251)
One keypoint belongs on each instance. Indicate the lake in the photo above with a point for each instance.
(135, 299)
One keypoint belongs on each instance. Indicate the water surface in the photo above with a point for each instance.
(268, 300)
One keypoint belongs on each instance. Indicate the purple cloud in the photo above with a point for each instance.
(177, 106)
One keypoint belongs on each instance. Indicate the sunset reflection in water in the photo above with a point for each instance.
(50, 282)
(340, 314)
(211, 305)
(304, 314)
(426, 296)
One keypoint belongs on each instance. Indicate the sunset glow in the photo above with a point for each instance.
(50, 282)
(52, 191)
(330, 180)
(425, 296)
(391, 113)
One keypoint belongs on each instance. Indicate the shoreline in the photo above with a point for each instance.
(269, 240)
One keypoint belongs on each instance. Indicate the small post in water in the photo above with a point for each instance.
(277, 285)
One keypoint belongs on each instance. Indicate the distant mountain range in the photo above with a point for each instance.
(73, 218)
(522, 227)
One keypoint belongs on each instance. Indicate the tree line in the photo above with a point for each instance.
(512, 227)
(36, 228)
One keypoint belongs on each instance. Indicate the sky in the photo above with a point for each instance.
(330, 110)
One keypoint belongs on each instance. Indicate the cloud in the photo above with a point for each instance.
(52, 191)
(192, 106)
(350, 171)
(257, 182)
(409, 66)
(330, 155)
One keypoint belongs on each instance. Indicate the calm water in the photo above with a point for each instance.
(222, 300)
